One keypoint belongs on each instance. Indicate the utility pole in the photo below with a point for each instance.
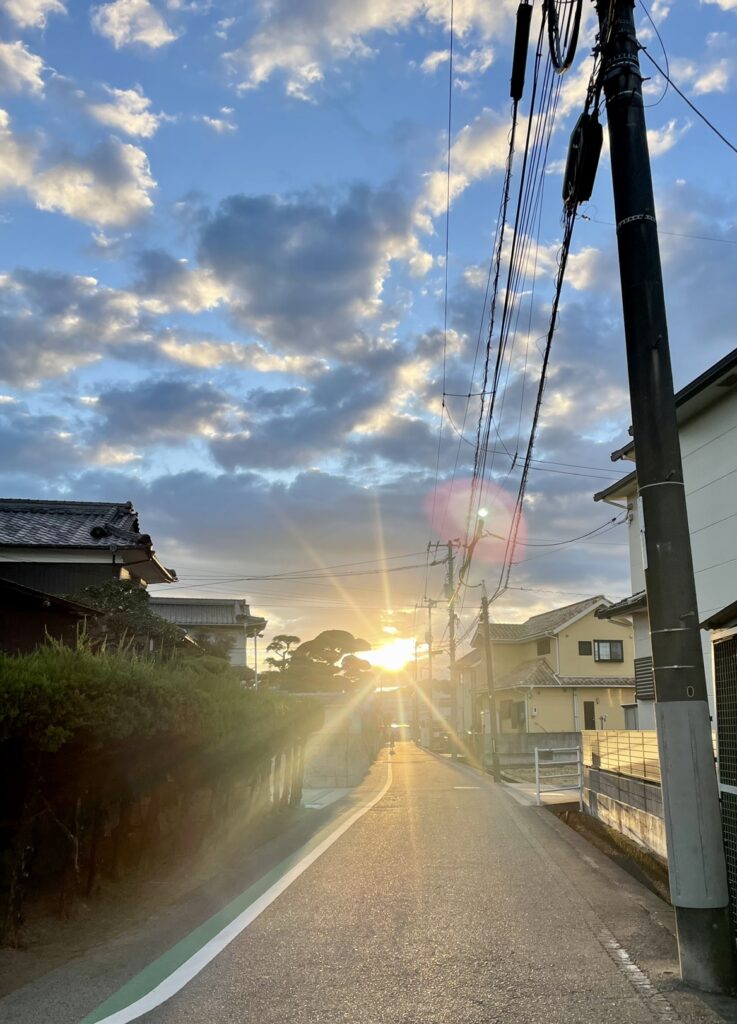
(698, 882)
(450, 587)
(490, 685)
(454, 737)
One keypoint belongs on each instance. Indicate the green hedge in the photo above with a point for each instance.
(85, 735)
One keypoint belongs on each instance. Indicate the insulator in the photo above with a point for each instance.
(521, 45)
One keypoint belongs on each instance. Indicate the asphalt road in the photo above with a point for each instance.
(448, 902)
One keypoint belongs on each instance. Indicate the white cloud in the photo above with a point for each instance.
(31, 13)
(17, 158)
(125, 22)
(478, 149)
(726, 5)
(111, 186)
(475, 62)
(299, 40)
(206, 355)
(221, 125)
(128, 112)
(703, 79)
(660, 140)
(20, 70)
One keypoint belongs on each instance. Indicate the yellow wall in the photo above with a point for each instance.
(555, 707)
(590, 628)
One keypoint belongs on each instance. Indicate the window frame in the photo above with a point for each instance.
(610, 659)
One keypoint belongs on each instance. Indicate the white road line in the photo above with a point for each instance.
(192, 967)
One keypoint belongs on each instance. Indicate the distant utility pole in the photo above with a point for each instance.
(450, 593)
(698, 881)
(490, 685)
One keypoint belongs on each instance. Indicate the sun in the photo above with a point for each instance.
(392, 656)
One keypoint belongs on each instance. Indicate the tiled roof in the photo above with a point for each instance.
(191, 611)
(538, 674)
(635, 603)
(544, 623)
(76, 524)
(201, 612)
(469, 660)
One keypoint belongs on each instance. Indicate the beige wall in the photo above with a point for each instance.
(555, 707)
(590, 628)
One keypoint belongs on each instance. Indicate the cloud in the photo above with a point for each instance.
(305, 274)
(126, 22)
(703, 79)
(220, 125)
(164, 409)
(36, 444)
(726, 5)
(166, 284)
(298, 40)
(128, 112)
(472, 63)
(478, 149)
(252, 356)
(110, 186)
(660, 140)
(31, 13)
(20, 70)
(53, 323)
(17, 157)
(294, 429)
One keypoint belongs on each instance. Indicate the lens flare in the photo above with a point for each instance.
(448, 510)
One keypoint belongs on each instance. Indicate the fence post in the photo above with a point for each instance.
(537, 775)
(579, 752)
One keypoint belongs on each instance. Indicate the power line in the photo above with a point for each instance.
(693, 106)
(661, 231)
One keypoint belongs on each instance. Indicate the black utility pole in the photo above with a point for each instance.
(455, 736)
(490, 685)
(696, 863)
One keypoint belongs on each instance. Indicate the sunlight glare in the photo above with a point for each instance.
(393, 656)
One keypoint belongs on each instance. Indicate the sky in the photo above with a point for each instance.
(223, 289)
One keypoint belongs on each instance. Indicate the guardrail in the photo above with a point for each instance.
(555, 763)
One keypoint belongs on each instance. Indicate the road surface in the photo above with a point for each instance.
(446, 901)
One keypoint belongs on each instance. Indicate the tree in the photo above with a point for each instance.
(327, 663)
(126, 619)
(281, 646)
(219, 645)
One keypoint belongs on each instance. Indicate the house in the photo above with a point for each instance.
(560, 671)
(226, 619)
(61, 547)
(30, 617)
(707, 421)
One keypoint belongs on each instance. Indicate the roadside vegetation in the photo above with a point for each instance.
(111, 762)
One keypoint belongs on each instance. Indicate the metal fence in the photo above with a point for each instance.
(556, 765)
(629, 752)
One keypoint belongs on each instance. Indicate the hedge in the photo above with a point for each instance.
(94, 745)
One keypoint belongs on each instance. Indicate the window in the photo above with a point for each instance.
(608, 650)
(543, 646)
(518, 715)
(505, 709)
(584, 647)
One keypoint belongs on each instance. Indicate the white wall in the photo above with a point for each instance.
(709, 452)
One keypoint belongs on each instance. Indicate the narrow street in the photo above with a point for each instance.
(448, 901)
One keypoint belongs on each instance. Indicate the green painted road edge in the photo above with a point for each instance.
(161, 968)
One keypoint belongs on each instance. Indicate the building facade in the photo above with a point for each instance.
(707, 420)
(561, 671)
(61, 547)
(226, 619)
